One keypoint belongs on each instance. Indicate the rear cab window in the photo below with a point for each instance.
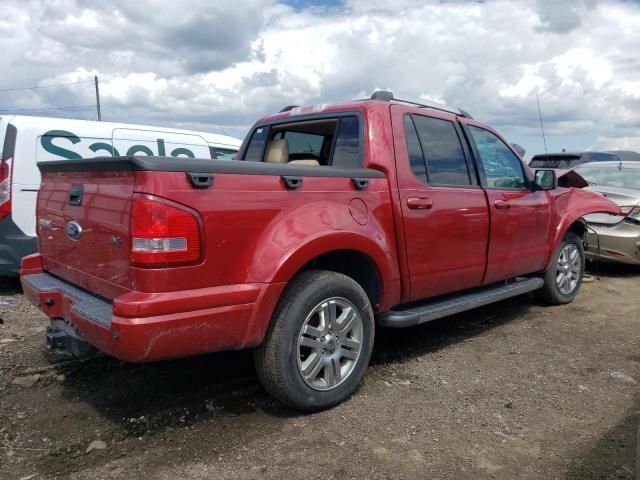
(327, 140)
(604, 157)
(557, 161)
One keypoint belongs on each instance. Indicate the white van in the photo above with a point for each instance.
(25, 140)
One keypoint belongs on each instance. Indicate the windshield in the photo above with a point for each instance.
(611, 177)
(555, 161)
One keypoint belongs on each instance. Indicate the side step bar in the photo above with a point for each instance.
(432, 310)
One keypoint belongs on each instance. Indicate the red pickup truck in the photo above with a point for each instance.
(332, 221)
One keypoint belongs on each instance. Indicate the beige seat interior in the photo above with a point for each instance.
(278, 152)
(308, 161)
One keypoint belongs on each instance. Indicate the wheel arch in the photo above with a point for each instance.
(353, 255)
(572, 223)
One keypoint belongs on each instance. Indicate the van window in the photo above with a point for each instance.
(9, 144)
(222, 153)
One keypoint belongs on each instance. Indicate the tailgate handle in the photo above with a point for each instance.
(75, 195)
(200, 180)
(292, 183)
(360, 183)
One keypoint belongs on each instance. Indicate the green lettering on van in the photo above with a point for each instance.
(47, 143)
(140, 148)
(182, 151)
(161, 150)
(96, 147)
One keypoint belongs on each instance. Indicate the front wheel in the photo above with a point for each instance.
(563, 278)
(319, 343)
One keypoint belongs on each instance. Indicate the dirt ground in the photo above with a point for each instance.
(514, 390)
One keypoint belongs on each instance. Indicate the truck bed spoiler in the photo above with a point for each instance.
(202, 165)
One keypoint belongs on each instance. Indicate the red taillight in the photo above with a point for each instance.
(162, 234)
(5, 188)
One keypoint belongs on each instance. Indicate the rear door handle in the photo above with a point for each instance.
(419, 203)
(501, 204)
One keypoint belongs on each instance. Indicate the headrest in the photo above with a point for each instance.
(277, 151)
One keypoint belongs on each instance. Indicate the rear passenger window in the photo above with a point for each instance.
(347, 150)
(442, 150)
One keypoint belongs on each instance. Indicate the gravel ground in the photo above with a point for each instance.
(514, 390)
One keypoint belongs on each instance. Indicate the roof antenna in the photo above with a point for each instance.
(542, 127)
(220, 127)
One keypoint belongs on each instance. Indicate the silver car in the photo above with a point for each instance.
(619, 235)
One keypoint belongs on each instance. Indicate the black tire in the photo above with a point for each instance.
(276, 359)
(551, 292)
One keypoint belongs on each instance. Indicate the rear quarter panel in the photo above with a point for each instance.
(257, 231)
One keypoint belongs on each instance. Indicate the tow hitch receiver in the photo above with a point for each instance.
(62, 338)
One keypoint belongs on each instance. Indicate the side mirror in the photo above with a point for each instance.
(545, 180)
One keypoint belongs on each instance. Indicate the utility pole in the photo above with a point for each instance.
(97, 98)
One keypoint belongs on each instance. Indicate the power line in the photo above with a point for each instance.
(44, 86)
(72, 107)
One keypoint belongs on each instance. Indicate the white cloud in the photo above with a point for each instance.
(200, 63)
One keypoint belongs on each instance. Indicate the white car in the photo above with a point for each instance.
(25, 141)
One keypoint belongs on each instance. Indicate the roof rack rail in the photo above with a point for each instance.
(288, 108)
(386, 96)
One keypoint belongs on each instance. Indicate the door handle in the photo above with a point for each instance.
(419, 203)
(501, 204)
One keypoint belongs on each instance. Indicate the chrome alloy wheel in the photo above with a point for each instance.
(329, 343)
(568, 269)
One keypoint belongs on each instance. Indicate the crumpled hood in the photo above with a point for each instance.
(595, 204)
(582, 202)
(623, 197)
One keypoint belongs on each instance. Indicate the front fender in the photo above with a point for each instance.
(569, 205)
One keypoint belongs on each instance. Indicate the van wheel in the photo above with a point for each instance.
(319, 343)
(563, 278)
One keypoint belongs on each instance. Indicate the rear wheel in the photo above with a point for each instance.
(319, 343)
(563, 278)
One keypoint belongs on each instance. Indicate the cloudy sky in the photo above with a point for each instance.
(213, 65)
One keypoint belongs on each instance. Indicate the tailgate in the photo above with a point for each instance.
(83, 228)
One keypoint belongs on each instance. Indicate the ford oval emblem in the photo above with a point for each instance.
(73, 230)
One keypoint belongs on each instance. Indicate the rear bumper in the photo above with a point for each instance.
(14, 245)
(618, 243)
(142, 327)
